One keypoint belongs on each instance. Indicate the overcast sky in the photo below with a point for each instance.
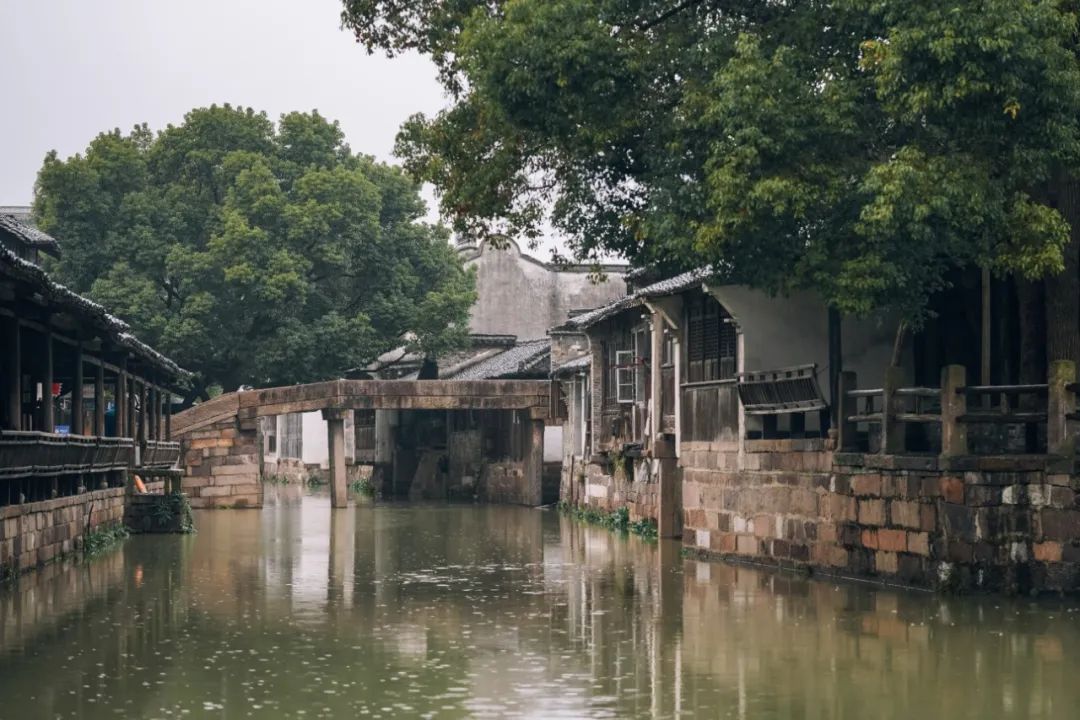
(72, 68)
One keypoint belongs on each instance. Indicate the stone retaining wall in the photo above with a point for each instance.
(221, 465)
(974, 523)
(607, 490)
(34, 534)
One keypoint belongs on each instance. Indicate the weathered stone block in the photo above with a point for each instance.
(918, 543)
(866, 485)
(1061, 525)
(885, 562)
(872, 512)
(952, 489)
(892, 540)
(747, 545)
(905, 513)
(1049, 551)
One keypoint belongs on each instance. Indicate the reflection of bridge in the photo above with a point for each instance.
(220, 437)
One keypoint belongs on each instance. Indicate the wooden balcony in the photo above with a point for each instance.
(160, 454)
(39, 454)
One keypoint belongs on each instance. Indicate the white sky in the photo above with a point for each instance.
(70, 69)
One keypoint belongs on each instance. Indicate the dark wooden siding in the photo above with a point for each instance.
(710, 412)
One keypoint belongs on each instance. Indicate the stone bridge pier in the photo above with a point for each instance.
(221, 445)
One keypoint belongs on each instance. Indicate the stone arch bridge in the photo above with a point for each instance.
(221, 448)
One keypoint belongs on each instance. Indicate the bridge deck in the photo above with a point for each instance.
(531, 395)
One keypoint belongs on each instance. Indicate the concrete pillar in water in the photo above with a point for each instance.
(335, 427)
(534, 462)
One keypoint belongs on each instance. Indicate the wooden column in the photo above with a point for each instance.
(168, 417)
(656, 385)
(847, 440)
(132, 417)
(121, 404)
(152, 414)
(13, 381)
(836, 364)
(99, 401)
(77, 394)
(892, 431)
(47, 407)
(1061, 402)
(335, 428)
(144, 412)
(953, 407)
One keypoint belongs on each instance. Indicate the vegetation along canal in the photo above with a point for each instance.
(494, 611)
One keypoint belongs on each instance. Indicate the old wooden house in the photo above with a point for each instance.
(83, 402)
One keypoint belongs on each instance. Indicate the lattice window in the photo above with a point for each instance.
(712, 341)
(626, 376)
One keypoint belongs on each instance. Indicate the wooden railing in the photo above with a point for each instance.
(31, 454)
(160, 454)
(956, 406)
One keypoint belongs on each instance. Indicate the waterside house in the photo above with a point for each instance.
(734, 420)
(83, 402)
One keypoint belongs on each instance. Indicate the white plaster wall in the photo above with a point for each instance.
(315, 448)
(519, 295)
(553, 439)
(782, 332)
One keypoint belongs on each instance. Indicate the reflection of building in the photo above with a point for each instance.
(81, 401)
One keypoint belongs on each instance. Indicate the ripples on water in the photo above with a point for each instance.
(405, 611)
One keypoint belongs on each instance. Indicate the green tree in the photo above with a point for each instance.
(254, 254)
(861, 148)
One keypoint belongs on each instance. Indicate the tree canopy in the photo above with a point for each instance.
(254, 253)
(861, 148)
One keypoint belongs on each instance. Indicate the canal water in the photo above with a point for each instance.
(403, 611)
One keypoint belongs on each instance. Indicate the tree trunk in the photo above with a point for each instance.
(898, 343)
(1063, 289)
(1031, 299)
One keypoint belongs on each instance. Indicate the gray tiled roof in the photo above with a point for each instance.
(28, 234)
(581, 363)
(528, 357)
(89, 311)
(670, 286)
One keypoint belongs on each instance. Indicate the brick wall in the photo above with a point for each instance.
(34, 534)
(593, 484)
(1003, 524)
(221, 463)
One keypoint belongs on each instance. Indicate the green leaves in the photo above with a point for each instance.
(254, 254)
(861, 148)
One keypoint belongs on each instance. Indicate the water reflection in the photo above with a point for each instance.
(451, 611)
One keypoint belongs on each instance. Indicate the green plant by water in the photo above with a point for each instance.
(104, 537)
(618, 520)
(363, 487)
(168, 508)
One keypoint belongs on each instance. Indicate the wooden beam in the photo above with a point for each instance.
(48, 407)
(99, 402)
(77, 394)
(121, 403)
(13, 383)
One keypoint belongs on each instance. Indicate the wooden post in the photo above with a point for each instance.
(47, 406)
(669, 520)
(656, 378)
(847, 440)
(892, 431)
(99, 401)
(335, 428)
(836, 363)
(121, 404)
(1061, 402)
(953, 407)
(168, 417)
(13, 381)
(132, 417)
(143, 413)
(77, 409)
